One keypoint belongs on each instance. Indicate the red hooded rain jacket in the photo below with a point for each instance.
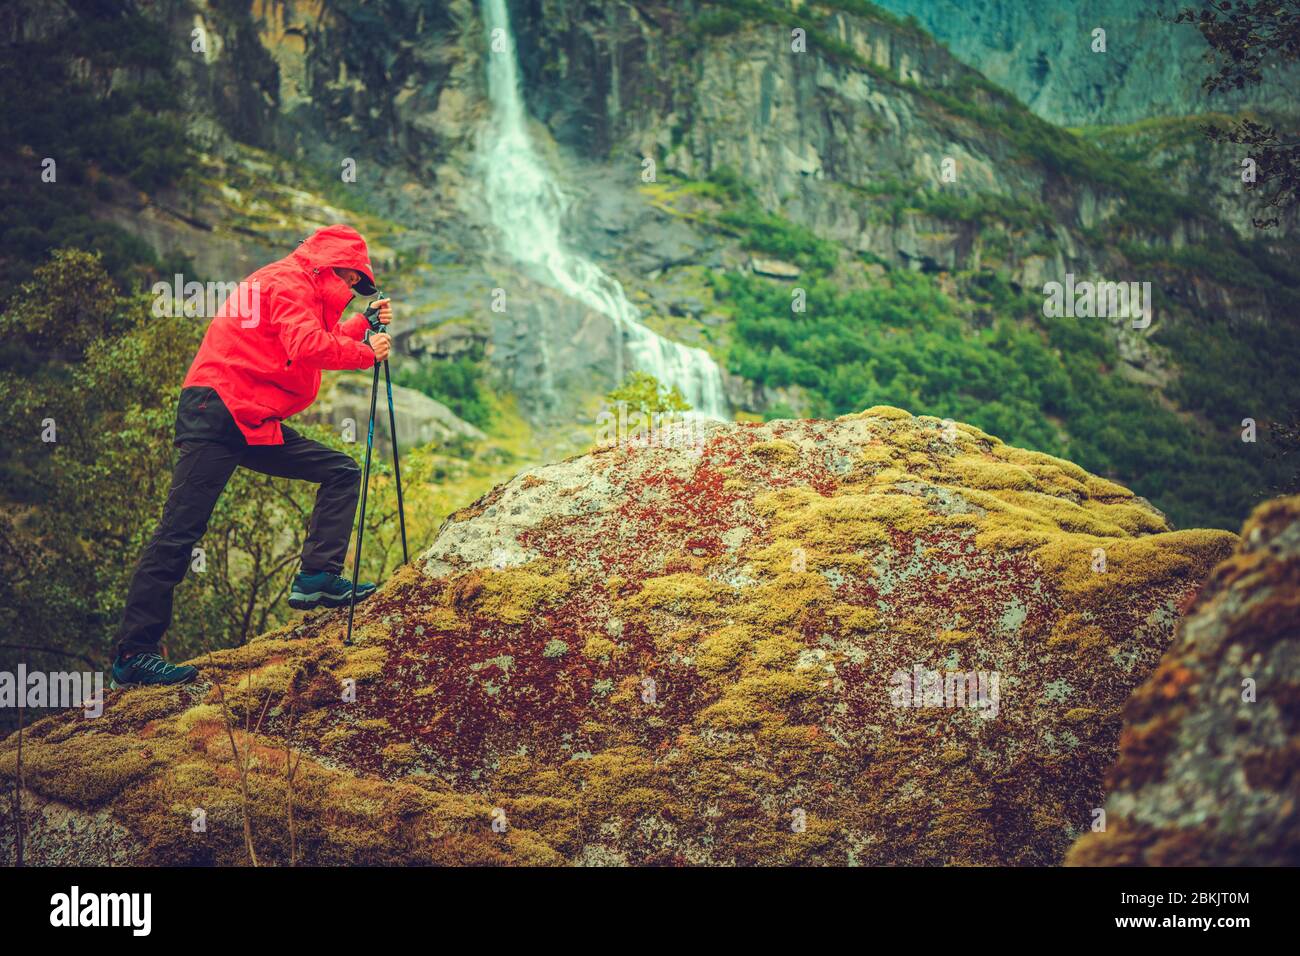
(266, 347)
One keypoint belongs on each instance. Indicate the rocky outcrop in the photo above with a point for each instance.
(879, 639)
(422, 420)
(1209, 764)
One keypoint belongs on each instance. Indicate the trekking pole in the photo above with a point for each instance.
(370, 314)
(361, 520)
(397, 468)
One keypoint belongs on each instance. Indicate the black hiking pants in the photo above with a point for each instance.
(211, 448)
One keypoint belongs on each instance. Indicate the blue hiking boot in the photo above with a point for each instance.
(140, 670)
(322, 589)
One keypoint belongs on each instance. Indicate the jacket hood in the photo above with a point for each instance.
(342, 246)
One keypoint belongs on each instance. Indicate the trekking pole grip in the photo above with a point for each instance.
(371, 315)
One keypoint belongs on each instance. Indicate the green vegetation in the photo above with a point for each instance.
(716, 23)
(646, 395)
(457, 383)
(115, 117)
(777, 236)
(984, 209)
(1045, 384)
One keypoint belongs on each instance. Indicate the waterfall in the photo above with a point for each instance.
(527, 207)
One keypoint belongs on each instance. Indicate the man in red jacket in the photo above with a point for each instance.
(260, 363)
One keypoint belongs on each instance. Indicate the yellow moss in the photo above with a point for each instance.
(1023, 456)
(776, 652)
(889, 476)
(1001, 538)
(953, 637)
(140, 705)
(516, 595)
(597, 647)
(882, 411)
(679, 593)
(952, 756)
(336, 737)
(776, 450)
(1062, 513)
(363, 665)
(841, 525)
(1053, 481)
(1132, 562)
(782, 602)
(731, 714)
(1098, 487)
(972, 472)
(196, 715)
(1071, 630)
(878, 452)
(309, 721)
(856, 619)
(977, 434)
(444, 619)
(402, 754)
(775, 688)
(914, 439)
(83, 770)
(722, 649)
(1129, 516)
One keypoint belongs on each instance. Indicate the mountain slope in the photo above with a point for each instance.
(1042, 51)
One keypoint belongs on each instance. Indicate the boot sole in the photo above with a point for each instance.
(309, 602)
(114, 685)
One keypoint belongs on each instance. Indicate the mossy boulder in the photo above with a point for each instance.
(1209, 764)
(879, 639)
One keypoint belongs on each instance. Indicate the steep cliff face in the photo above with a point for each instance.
(851, 138)
(372, 81)
(1042, 51)
(1209, 765)
(879, 639)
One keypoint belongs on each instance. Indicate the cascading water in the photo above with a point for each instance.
(527, 207)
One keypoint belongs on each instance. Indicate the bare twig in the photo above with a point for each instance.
(291, 762)
(241, 765)
(262, 715)
(18, 794)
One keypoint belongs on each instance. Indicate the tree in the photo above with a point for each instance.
(1242, 37)
(646, 395)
